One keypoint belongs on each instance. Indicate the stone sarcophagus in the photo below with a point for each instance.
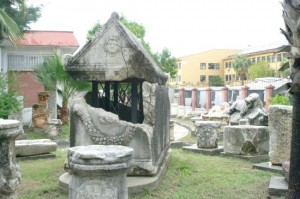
(128, 104)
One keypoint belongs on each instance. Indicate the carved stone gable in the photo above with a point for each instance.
(114, 54)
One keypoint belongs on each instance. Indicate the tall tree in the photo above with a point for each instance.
(163, 59)
(215, 81)
(291, 16)
(166, 62)
(260, 69)
(240, 65)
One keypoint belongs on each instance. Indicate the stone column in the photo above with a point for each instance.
(182, 97)
(225, 94)
(208, 99)
(99, 171)
(172, 138)
(244, 92)
(280, 127)
(194, 99)
(269, 91)
(9, 173)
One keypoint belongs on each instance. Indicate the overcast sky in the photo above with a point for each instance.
(183, 26)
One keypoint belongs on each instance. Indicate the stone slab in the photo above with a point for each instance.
(278, 186)
(35, 157)
(251, 158)
(194, 148)
(34, 147)
(136, 184)
(268, 166)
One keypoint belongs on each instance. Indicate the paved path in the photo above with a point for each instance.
(180, 131)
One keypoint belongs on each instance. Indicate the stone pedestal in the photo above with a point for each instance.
(53, 128)
(40, 111)
(181, 111)
(246, 140)
(280, 127)
(99, 171)
(174, 109)
(172, 137)
(207, 133)
(187, 110)
(9, 172)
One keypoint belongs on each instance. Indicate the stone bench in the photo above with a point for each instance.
(34, 147)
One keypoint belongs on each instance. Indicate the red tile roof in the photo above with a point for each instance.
(49, 38)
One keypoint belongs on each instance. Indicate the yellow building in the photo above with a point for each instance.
(273, 54)
(196, 69)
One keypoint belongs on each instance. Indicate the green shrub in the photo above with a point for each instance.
(281, 100)
(8, 101)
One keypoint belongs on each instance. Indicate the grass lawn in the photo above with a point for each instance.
(190, 176)
(64, 135)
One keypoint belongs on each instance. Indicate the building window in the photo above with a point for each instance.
(227, 65)
(179, 65)
(253, 60)
(228, 78)
(213, 66)
(269, 58)
(258, 59)
(21, 62)
(202, 78)
(279, 57)
(202, 66)
(273, 59)
(263, 58)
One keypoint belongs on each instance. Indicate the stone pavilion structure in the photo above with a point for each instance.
(128, 104)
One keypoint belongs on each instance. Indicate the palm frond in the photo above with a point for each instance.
(9, 27)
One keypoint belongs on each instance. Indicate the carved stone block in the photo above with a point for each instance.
(246, 139)
(207, 133)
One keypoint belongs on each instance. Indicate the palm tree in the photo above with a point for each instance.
(240, 65)
(9, 28)
(55, 79)
(291, 16)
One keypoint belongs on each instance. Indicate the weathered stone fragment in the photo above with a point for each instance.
(207, 133)
(9, 171)
(99, 171)
(34, 147)
(246, 140)
(280, 127)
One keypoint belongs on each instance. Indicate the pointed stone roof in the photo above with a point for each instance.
(114, 54)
